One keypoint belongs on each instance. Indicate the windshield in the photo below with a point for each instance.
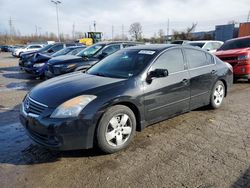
(199, 44)
(62, 52)
(122, 64)
(236, 44)
(90, 51)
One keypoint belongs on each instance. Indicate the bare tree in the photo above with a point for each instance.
(136, 30)
(185, 35)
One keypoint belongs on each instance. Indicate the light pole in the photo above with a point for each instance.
(58, 30)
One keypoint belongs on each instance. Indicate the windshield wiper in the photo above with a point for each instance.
(99, 74)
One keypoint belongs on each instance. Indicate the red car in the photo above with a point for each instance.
(237, 53)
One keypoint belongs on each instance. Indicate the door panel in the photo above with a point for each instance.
(202, 76)
(165, 97)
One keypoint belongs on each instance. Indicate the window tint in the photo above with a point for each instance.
(67, 45)
(171, 60)
(31, 47)
(216, 45)
(111, 49)
(195, 58)
(128, 45)
(57, 47)
(210, 58)
(208, 46)
(235, 44)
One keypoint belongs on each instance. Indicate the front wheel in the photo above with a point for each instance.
(218, 94)
(116, 129)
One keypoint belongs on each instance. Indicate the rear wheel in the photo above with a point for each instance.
(116, 129)
(218, 94)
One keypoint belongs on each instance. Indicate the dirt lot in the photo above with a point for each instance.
(203, 148)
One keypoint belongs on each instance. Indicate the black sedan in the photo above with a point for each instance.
(84, 59)
(124, 92)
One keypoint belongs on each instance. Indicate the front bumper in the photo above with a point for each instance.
(59, 134)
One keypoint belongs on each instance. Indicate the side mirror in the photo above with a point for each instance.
(50, 51)
(157, 73)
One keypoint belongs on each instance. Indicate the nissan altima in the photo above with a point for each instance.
(125, 92)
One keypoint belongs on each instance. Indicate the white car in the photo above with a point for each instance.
(32, 47)
(210, 45)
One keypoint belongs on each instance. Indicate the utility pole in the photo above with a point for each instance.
(95, 26)
(112, 32)
(168, 31)
(58, 30)
(36, 30)
(10, 26)
(73, 31)
(122, 32)
(248, 17)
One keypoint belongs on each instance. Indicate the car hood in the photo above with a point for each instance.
(57, 90)
(39, 58)
(234, 52)
(64, 59)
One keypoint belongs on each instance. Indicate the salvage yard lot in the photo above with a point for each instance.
(203, 148)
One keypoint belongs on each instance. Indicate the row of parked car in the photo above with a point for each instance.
(59, 58)
(46, 61)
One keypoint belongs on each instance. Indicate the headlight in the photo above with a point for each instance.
(37, 65)
(243, 57)
(61, 65)
(72, 107)
(71, 66)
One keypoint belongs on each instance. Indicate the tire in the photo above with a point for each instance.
(115, 136)
(235, 80)
(217, 95)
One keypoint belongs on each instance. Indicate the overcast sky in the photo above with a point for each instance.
(152, 14)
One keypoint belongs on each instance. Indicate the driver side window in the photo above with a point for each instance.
(172, 60)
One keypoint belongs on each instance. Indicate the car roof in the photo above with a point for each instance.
(118, 42)
(155, 47)
(204, 41)
(246, 37)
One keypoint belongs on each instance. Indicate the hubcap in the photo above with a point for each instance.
(218, 94)
(118, 130)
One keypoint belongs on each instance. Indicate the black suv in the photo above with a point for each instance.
(84, 59)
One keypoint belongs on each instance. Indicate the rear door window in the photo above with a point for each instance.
(195, 58)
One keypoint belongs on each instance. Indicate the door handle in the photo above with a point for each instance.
(213, 71)
(185, 81)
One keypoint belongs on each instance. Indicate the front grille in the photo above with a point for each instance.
(234, 58)
(50, 68)
(34, 107)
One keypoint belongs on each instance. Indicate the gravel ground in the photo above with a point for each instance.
(203, 148)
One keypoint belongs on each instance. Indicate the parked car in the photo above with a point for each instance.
(38, 64)
(84, 59)
(124, 92)
(210, 45)
(182, 42)
(4, 48)
(237, 53)
(29, 48)
(47, 50)
(12, 48)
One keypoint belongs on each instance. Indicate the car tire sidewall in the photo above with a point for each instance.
(102, 126)
(212, 103)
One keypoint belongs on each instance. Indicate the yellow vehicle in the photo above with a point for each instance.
(91, 38)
